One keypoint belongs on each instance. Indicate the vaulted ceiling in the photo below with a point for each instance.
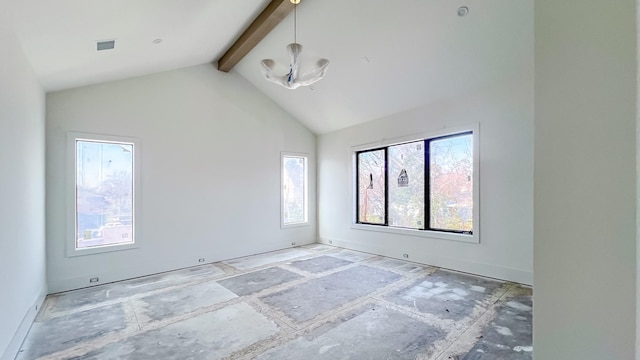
(386, 56)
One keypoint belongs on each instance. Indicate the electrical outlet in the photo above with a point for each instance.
(406, 256)
(94, 280)
(293, 243)
(330, 241)
(201, 260)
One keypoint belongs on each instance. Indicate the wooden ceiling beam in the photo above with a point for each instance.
(268, 19)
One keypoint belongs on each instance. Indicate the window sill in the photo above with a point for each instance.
(100, 249)
(440, 235)
(287, 226)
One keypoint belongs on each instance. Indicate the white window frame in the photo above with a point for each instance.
(305, 157)
(441, 235)
(72, 138)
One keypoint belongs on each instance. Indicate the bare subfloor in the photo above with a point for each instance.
(311, 302)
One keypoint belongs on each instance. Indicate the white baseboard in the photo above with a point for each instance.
(15, 344)
(482, 269)
(82, 281)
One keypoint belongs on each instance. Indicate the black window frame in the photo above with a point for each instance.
(386, 186)
(427, 183)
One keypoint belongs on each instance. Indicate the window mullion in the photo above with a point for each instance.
(357, 189)
(427, 185)
(386, 186)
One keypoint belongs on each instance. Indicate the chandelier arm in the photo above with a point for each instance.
(314, 75)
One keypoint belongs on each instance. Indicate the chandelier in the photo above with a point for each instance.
(294, 79)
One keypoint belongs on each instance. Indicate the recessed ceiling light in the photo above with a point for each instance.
(157, 41)
(463, 11)
(105, 45)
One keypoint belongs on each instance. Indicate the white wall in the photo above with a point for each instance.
(585, 210)
(210, 177)
(22, 230)
(505, 116)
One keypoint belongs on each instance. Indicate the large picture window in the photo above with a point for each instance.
(104, 193)
(422, 185)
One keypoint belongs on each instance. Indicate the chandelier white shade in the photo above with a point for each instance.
(294, 78)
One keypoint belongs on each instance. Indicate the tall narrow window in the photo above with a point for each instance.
(294, 190)
(451, 183)
(406, 185)
(104, 193)
(371, 187)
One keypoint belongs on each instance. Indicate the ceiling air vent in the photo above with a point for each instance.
(105, 45)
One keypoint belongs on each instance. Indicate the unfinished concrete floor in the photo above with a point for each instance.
(310, 302)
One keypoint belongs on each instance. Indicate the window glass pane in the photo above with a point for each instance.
(294, 208)
(104, 193)
(371, 187)
(406, 185)
(451, 183)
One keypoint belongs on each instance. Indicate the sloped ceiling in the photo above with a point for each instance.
(386, 56)
(59, 37)
(391, 56)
